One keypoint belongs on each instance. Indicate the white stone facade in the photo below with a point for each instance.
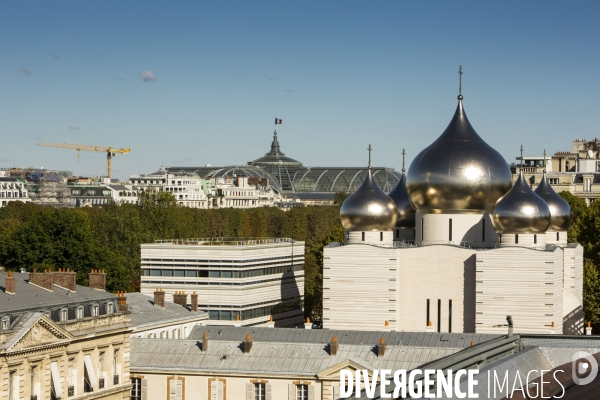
(457, 288)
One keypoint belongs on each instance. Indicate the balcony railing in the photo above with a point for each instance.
(71, 391)
(101, 383)
(115, 379)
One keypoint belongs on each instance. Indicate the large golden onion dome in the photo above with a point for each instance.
(368, 208)
(457, 172)
(406, 214)
(560, 211)
(521, 210)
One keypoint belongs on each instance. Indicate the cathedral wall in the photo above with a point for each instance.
(359, 287)
(436, 274)
(470, 230)
(524, 283)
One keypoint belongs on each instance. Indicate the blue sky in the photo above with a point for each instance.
(341, 75)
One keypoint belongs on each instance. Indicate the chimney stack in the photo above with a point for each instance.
(97, 279)
(381, 348)
(588, 329)
(42, 279)
(333, 346)
(205, 342)
(66, 279)
(307, 324)
(238, 321)
(553, 329)
(194, 297)
(180, 298)
(121, 301)
(9, 283)
(247, 344)
(159, 298)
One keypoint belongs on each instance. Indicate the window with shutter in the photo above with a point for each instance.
(144, 389)
(249, 391)
(268, 392)
(291, 392)
(216, 390)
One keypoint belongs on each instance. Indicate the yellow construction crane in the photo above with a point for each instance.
(110, 152)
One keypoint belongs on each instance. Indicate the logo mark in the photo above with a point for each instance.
(585, 368)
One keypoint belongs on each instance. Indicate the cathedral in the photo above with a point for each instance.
(455, 247)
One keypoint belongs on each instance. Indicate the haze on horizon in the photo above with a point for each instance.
(195, 83)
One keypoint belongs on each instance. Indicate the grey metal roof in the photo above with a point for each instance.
(323, 336)
(282, 358)
(144, 313)
(30, 297)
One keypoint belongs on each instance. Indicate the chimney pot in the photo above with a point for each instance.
(381, 347)
(472, 343)
(97, 280)
(270, 318)
(237, 317)
(42, 279)
(159, 298)
(333, 346)
(247, 344)
(194, 305)
(65, 279)
(387, 323)
(205, 342)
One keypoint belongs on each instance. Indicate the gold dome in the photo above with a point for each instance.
(368, 208)
(521, 210)
(457, 172)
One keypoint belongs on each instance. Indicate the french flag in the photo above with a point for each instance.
(278, 121)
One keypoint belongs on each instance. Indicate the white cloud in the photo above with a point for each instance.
(25, 71)
(147, 76)
(54, 55)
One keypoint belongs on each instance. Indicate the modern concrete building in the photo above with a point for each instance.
(239, 281)
(459, 251)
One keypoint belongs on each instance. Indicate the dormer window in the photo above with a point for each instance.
(111, 307)
(79, 312)
(95, 310)
(5, 323)
(64, 315)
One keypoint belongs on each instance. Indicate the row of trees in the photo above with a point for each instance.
(109, 238)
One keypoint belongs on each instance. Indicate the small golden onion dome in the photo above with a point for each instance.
(406, 214)
(457, 172)
(560, 211)
(368, 208)
(521, 210)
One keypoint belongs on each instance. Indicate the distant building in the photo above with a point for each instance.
(576, 171)
(60, 340)
(13, 189)
(239, 281)
(156, 317)
(309, 185)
